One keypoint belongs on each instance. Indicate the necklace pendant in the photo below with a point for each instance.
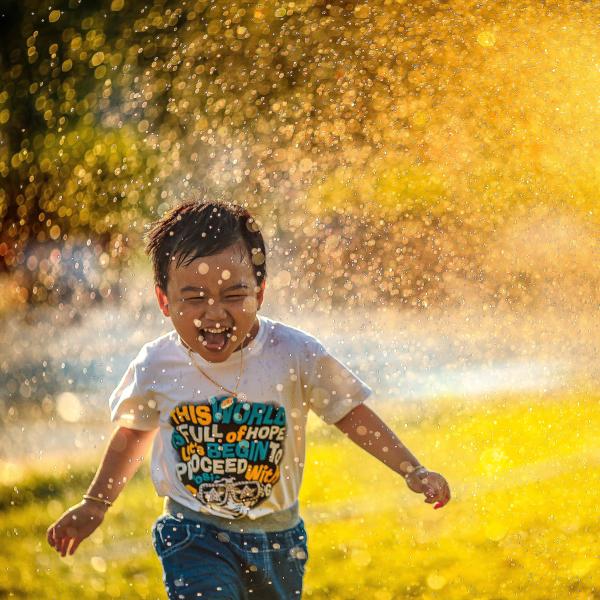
(227, 402)
(242, 397)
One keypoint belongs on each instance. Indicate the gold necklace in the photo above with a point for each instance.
(228, 401)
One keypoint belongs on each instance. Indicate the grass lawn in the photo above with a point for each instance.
(522, 523)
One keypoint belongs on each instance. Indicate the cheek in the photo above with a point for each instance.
(249, 305)
(183, 311)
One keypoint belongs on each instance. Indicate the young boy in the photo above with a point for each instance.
(225, 396)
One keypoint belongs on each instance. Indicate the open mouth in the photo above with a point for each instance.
(216, 338)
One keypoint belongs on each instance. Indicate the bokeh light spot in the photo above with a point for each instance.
(68, 407)
(487, 39)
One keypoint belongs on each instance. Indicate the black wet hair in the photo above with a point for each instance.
(194, 229)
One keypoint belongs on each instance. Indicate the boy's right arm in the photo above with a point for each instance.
(121, 460)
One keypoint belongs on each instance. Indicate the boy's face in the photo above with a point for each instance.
(213, 302)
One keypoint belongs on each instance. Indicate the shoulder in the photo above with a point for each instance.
(157, 349)
(293, 339)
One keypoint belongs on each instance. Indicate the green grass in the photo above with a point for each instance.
(522, 523)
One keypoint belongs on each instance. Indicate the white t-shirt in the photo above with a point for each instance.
(227, 456)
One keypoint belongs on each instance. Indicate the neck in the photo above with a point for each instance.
(253, 333)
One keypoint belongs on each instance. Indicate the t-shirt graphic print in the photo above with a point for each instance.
(228, 451)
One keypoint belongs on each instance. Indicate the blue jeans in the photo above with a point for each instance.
(201, 560)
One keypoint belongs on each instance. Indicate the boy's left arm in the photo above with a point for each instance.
(367, 430)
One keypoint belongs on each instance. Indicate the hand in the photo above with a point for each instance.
(432, 484)
(78, 523)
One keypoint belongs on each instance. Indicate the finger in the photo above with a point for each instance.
(75, 545)
(50, 536)
(445, 499)
(70, 545)
(428, 489)
(431, 498)
(441, 496)
(446, 491)
(64, 542)
(56, 537)
(432, 493)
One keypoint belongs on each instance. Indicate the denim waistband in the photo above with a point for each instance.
(277, 521)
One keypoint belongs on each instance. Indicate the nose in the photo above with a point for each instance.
(215, 311)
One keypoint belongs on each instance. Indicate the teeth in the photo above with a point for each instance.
(221, 330)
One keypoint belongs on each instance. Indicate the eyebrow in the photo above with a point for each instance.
(193, 288)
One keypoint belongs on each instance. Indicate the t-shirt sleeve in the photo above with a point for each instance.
(330, 388)
(132, 403)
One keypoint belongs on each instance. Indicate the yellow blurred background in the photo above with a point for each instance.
(426, 175)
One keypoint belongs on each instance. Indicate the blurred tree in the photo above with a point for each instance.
(439, 120)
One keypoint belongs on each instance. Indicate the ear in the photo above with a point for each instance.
(260, 296)
(163, 301)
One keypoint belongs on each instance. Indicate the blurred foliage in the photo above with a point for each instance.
(523, 508)
(446, 120)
